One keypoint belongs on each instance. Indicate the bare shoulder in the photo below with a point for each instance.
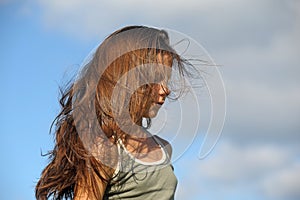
(165, 143)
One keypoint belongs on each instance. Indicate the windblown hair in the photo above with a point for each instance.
(93, 110)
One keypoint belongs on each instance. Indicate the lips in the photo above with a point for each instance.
(160, 103)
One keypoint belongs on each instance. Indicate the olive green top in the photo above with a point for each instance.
(135, 179)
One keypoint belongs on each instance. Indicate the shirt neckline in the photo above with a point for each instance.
(158, 162)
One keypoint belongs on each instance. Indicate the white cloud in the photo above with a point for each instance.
(262, 83)
(227, 22)
(232, 163)
(235, 172)
(284, 184)
(259, 111)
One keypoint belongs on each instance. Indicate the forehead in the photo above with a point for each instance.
(165, 59)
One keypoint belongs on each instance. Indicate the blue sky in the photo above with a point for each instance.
(256, 43)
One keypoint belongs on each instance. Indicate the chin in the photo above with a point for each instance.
(153, 111)
(152, 114)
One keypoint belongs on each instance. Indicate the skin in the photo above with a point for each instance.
(145, 147)
(160, 90)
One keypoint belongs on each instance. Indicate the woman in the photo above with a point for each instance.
(103, 149)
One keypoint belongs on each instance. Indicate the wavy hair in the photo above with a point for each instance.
(87, 129)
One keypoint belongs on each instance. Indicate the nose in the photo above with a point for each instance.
(163, 90)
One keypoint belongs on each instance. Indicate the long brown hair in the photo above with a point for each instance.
(86, 129)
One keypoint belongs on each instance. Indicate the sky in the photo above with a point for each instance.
(255, 42)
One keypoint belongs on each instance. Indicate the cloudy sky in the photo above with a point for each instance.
(255, 42)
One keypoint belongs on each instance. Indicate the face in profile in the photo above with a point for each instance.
(159, 90)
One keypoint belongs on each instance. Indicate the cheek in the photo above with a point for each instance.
(144, 97)
(154, 92)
